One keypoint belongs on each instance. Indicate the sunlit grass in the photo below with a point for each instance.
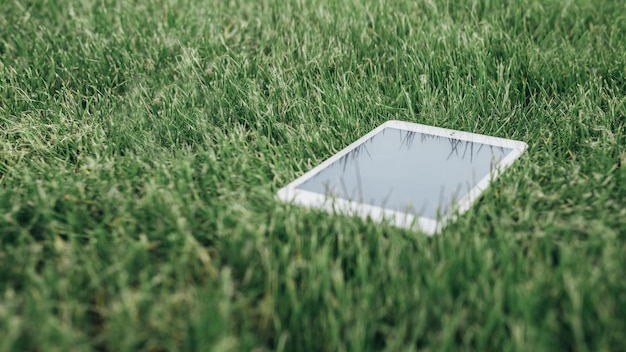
(141, 146)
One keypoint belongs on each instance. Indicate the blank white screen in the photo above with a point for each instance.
(408, 171)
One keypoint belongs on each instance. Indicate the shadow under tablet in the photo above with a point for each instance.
(408, 171)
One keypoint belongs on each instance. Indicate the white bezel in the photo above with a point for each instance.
(290, 193)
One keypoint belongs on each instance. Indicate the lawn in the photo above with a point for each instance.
(142, 144)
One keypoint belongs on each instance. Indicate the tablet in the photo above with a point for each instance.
(414, 176)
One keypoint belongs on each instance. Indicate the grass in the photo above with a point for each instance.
(141, 146)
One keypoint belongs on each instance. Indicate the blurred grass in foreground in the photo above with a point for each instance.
(141, 146)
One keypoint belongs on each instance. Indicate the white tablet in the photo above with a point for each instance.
(412, 175)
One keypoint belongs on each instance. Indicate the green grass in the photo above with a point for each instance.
(141, 146)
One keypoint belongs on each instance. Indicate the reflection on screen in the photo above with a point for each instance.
(408, 172)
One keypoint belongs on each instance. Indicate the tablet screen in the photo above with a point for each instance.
(408, 171)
